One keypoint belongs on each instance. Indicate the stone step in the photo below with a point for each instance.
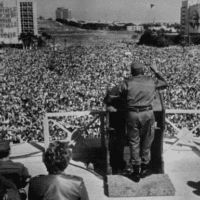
(153, 185)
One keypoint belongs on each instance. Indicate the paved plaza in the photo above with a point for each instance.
(182, 164)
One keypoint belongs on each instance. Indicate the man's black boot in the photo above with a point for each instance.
(135, 176)
(144, 170)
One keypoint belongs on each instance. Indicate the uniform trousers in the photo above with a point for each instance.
(140, 130)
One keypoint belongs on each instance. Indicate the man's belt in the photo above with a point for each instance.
(140, 109)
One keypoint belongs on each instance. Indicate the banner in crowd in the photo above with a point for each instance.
(194, 19)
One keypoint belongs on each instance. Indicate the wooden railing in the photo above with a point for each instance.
(184, 135)
(100, 115)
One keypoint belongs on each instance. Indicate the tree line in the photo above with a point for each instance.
(161, 39)
(29, 40)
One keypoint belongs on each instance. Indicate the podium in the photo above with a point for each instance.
(156, 164)
(117, 139)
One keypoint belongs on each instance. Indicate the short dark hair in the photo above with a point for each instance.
(57, 157)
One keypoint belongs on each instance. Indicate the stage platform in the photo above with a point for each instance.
(182, 165)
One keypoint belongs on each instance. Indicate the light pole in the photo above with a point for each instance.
(188, 22)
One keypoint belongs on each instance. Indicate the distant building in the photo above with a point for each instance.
(17, 16)
(184, 13)
(190, 17)
(69, 14)
(135, 28)
(63, 13)
(164, 28)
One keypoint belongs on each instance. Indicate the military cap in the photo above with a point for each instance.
(136, 68)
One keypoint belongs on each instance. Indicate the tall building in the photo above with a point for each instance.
(17, 16)
(63, 13)
(69, 14)
(184, 13)
(190, 17)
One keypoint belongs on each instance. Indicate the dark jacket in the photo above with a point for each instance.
(9, 189)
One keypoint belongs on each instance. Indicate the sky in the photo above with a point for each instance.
(114, 10)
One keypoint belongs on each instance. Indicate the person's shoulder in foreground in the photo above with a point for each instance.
(7, 165)
(57, 185)
(57, 177)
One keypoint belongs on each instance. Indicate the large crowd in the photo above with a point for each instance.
(76, 78)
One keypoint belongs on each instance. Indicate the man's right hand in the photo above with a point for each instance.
(111, 109)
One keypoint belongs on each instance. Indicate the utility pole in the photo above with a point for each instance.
(188, 23)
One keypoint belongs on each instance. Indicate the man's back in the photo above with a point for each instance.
(140, 91)
(57, 187)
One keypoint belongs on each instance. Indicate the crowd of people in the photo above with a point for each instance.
(76, 78)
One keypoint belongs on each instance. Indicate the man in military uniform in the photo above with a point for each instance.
(8, 167)
(138, 93)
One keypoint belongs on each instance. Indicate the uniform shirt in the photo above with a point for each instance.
(138, 91)
(57, 187)
(13, 167)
